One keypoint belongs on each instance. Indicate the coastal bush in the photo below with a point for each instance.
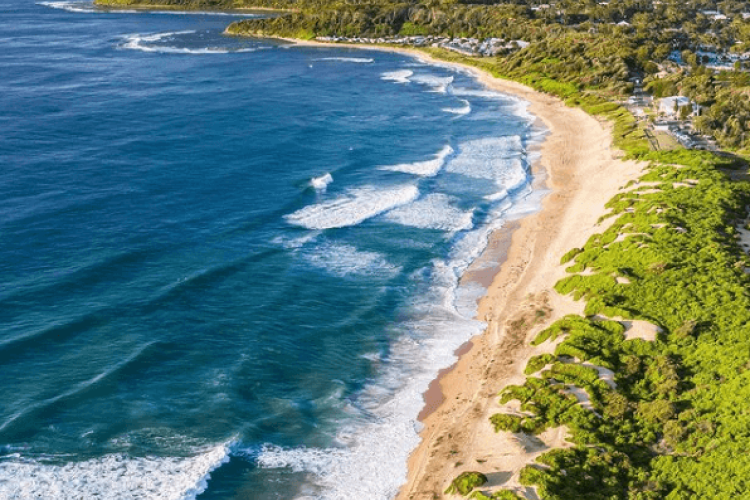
(570, 255)
(536, 363)
(411, 29)
(684, 280)
(505, 422)
(465, 483)
(498, 495)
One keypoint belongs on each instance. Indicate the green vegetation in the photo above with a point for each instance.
(679, 402)
(466, 482)
(538, 362)
(185, 4)
(500, 495)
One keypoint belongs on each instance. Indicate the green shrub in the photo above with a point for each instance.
(505, 422)
(465, 483)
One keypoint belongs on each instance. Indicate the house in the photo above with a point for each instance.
(714, 14)
(670, 106)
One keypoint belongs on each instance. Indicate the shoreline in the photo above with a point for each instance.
(113, 6)
(583, 172)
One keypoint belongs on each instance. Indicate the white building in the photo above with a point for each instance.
(714, 14)
(670, 105)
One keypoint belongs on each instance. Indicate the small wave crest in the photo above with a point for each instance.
(150, 43)
(70, 6)
(294, 243)
(436, 83)
(434, 211)
(322, 182)
(426, 168)
(463, 110)
(89, 8)
(353, 208)
(485, 94)
(360, 60)
(345, 260)
(401, 76)
(113, 477)
(518, 106)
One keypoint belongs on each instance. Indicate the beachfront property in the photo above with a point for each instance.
(472, 47)
(715, 15)
(672, 106)
(715, 58)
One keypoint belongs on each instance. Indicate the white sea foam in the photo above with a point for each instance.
(486, 94)
(426, 168)
(518, 106)
(145, 43)
(322, 182)
(434, 211)
(294, 243)
(88, 7)
(497, 196)
(360, 60)
(112, 477)
(496, 158)
(463, 110)
(521, 109)
(346, 260)
(401, 76)
(155, 37)
(436, 83)
(355, 206)
(70, 6)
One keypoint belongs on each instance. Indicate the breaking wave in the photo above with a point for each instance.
(71, 6)
(112, 477)
(436, 83)
(346, 260)
(463, 110)
(426, 168)
(498, 159)
(360, 60)
(353, 208)
(401, 76)
(89, 7)
(148, 43)
(434, 211)
(322, 182)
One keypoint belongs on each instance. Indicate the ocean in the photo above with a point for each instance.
(230, 268)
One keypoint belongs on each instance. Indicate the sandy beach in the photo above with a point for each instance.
(582, 173)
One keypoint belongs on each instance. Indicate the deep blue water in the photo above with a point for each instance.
(184, 290)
